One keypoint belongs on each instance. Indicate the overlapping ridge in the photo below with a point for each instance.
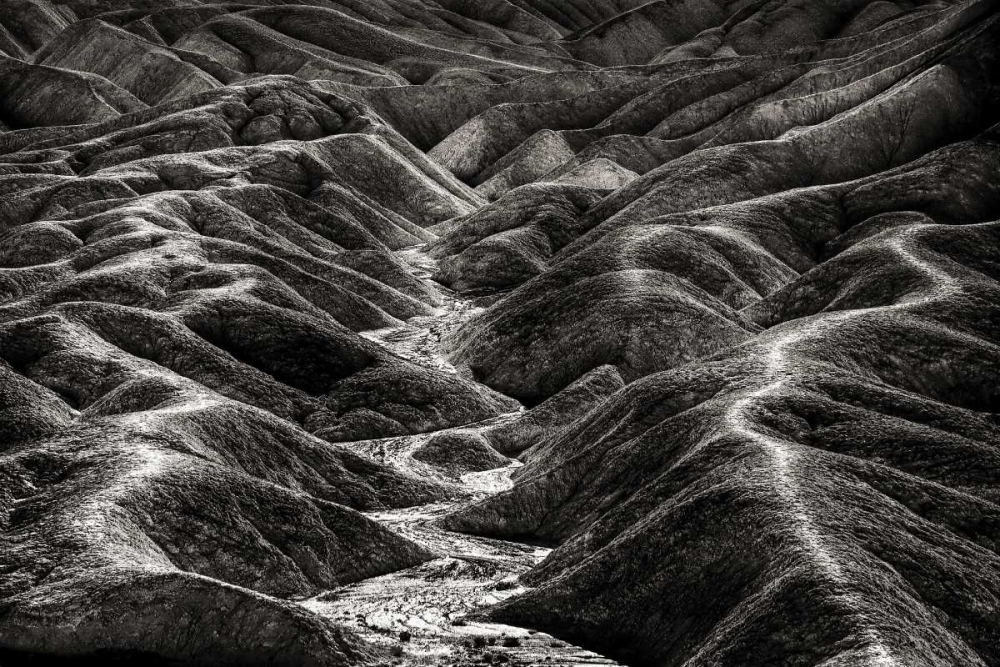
(721, 275)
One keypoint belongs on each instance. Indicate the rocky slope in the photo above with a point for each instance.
(285, 285)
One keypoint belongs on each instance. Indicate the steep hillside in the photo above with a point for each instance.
(500, 331)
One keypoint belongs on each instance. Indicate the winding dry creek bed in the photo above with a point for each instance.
(428, 614)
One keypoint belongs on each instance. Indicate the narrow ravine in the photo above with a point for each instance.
(427, 615)
(419, 338)
(430, 614)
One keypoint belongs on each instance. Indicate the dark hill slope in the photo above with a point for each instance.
(179, 313)
(844, 458)
(266, 267)
(691, 104)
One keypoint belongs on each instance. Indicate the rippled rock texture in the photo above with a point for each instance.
(720, 276)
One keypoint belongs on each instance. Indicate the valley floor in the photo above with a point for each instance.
(435, 604)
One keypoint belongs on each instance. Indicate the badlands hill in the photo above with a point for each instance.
(341, 332)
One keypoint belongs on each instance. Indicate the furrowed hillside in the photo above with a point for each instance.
(444, 332)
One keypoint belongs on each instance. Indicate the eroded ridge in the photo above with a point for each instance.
(508, 331)
(782, 453)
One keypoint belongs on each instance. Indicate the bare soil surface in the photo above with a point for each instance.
(431, 613)
(419, 339)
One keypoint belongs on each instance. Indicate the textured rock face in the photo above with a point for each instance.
(460, 452)
(284, 284)
(557, 413)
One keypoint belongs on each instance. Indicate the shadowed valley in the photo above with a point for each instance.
(538, 332)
